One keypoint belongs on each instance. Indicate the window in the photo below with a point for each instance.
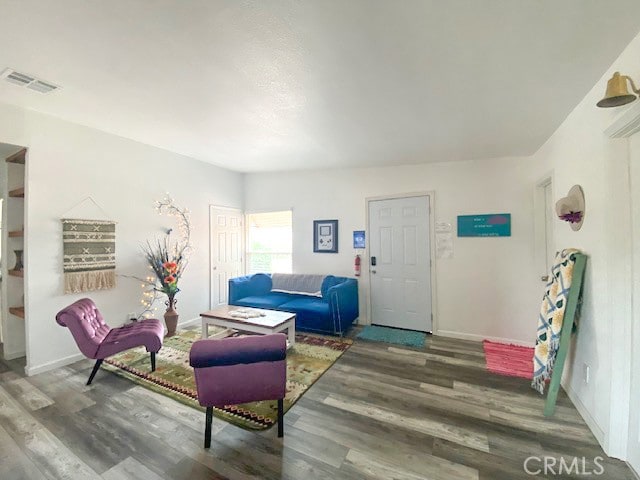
(269, 242)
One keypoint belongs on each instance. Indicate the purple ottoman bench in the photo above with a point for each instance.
(240, 370)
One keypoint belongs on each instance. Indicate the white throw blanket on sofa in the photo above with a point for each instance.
(297, 283)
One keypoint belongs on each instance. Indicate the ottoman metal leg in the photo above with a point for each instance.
(280, 418)
(207, 428)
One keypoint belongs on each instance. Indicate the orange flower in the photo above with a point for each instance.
(170, 267)
(169, 280)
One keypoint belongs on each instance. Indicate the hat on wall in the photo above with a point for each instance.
(571, 208)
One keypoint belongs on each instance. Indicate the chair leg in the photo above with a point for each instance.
(280, 418)
(207, 428)
(153, 361)
(95, 370)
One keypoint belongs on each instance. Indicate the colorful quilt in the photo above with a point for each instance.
(551, 317)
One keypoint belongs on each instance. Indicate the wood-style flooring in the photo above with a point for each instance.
(381, 412)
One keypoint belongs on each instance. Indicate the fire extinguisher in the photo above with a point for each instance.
(356, 266)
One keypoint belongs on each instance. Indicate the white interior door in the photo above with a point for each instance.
(227, 251)
(400, 263)
(634, 407)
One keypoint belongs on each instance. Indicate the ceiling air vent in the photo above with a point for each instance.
(24, 80)
(42, 87)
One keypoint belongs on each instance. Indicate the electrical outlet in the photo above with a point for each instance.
(586, 372)
(130, 317)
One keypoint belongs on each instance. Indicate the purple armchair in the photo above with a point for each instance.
(240, 370)
(97, 340)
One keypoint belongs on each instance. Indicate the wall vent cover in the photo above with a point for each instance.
(28, 81)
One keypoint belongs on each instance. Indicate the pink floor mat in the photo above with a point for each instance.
(509, 360)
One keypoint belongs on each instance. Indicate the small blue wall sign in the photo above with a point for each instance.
(488, 225)
(358, 239)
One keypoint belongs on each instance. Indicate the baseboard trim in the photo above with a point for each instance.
(586, 416)
(479, 338)
(189, 322)
(14, 355)
(45, 367)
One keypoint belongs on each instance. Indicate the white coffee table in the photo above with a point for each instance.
(272, 321)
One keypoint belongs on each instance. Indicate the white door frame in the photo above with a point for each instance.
(244, 236)
(432, 242)
(540, 225)
(633, 332)
(3, 292)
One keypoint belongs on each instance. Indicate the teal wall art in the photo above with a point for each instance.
(485, 225)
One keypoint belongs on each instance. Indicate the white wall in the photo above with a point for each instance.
(580, 153)
(490, 289)
(67, 163)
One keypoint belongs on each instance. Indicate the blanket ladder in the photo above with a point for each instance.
(575, 294)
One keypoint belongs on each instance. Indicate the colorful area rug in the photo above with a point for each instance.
(307, 360)
(509, 360)
(409, 338)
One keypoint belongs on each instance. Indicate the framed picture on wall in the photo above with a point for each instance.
(325, 236)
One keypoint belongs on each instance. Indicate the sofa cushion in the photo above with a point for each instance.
(312, 306)
(312, 314)
(256, 284)
(269, 300)
(261, 281)
(329, 281)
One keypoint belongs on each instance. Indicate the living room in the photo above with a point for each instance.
(116, 137)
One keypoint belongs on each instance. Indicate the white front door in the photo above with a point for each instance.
(227, 251)
(400, 263)
(633, 446)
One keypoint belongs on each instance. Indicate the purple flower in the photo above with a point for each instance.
(572, 217)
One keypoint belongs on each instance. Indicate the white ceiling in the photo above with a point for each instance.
(271, 85)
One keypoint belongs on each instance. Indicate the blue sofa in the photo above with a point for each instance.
(332, 310)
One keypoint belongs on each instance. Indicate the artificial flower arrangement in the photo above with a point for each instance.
(167, 262)
(167, 259)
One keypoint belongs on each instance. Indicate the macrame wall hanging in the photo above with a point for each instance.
(89, 253)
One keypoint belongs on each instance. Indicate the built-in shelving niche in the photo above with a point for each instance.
(13, 238)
